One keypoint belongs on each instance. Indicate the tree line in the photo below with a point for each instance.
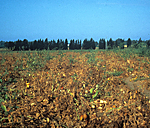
(74, 44)
(121, 43)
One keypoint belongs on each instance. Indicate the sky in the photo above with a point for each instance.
(74, 19)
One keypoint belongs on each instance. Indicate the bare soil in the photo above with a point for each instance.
(137, 85)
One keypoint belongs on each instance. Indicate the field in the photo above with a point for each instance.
(81, 88)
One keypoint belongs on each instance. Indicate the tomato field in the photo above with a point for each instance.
(80, 88)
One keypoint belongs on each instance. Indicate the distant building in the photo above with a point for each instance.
(68, 46)
(125, 45)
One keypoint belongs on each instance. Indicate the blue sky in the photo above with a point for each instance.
(74, 19)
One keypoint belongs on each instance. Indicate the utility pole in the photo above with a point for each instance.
(106, 43)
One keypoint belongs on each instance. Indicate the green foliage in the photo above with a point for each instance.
(128, 42)
(110, 44)
(102, 44)
(89, 44)
(121, 46)
(96, 94)
(116, 73)
(132, 52)
(143, 51)
(142, 45)
(91, 90)
(91, 57)
(4, 108)
(72, 59)
(34, 62)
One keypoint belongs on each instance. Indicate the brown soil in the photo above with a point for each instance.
(137, 85)
(60, 93)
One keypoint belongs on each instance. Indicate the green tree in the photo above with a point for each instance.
(41, 44)
(92, 43)
(9, 45)
(31, 45)
(121, 45)
(80, 44)
(51, 44)
(76, 45)
(85, 44)
(102, 44)
(89, 44)
(66, 44)
(18, 45)
(128, 42)
(54, 45)
(134, 43)
(25, 44)
(140, 40)
(148, 43)
(46, 44)
(110, 43)
(71, 45)
(2, 44)
(61, 45)
(142, 45)
(118, 42)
